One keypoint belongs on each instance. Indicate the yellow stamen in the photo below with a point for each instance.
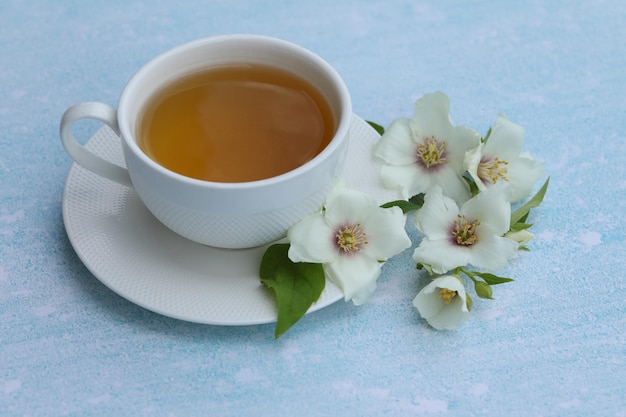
(447, 295)
(493, 170)
(432, 152)
(464, 231)
(351, 238)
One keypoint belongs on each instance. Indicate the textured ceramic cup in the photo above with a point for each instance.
(226, 215)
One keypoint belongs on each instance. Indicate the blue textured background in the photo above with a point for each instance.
(552, 343)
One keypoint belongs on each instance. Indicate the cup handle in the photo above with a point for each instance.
(83, 157)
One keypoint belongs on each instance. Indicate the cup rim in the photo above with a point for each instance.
(341, 132)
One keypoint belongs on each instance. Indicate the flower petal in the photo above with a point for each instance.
(436, 215)
(386, 233)
(471, 163)
(407, 179)
(452, 184)
(311, 240)
(491, 207)
(356, 276)
(428, 302)
(451, 317)
(463, 140)
(492, 252)
(506, 138)
(441, 255)
(431, 116)
(397, 145)
(523, 173)
(347, 206)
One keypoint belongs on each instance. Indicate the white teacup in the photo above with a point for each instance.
(226, 215)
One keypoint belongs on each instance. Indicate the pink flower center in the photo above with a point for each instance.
(463, 231)
(351, 239)
(492, 170)
(431, 153)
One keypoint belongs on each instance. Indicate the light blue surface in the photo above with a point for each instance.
(553, 343)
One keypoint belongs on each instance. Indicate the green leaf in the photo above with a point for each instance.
(427, 267)
(521, 213)
(377, 127)
(486, 138)
(297, 285)
(483, 290)
(468, 302)
(492, 279)
(406, 206)
(471, 184)
(524, 217)
(418, 199)
(519, 226)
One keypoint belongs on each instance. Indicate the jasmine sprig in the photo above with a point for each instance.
(460, 182)
(466, 224)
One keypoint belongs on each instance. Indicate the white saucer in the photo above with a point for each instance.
(137, 257)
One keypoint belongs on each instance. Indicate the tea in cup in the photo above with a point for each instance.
(228, 140)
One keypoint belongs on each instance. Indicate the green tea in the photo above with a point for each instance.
(236, 123)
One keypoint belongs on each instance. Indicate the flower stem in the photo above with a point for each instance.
(460, 270)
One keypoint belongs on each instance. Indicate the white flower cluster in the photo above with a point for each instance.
(468, 184)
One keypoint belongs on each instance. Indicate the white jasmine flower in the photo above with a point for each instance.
(442, 303)
(350, 237)
(470, 235)
(426, 150)
(500, 160)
